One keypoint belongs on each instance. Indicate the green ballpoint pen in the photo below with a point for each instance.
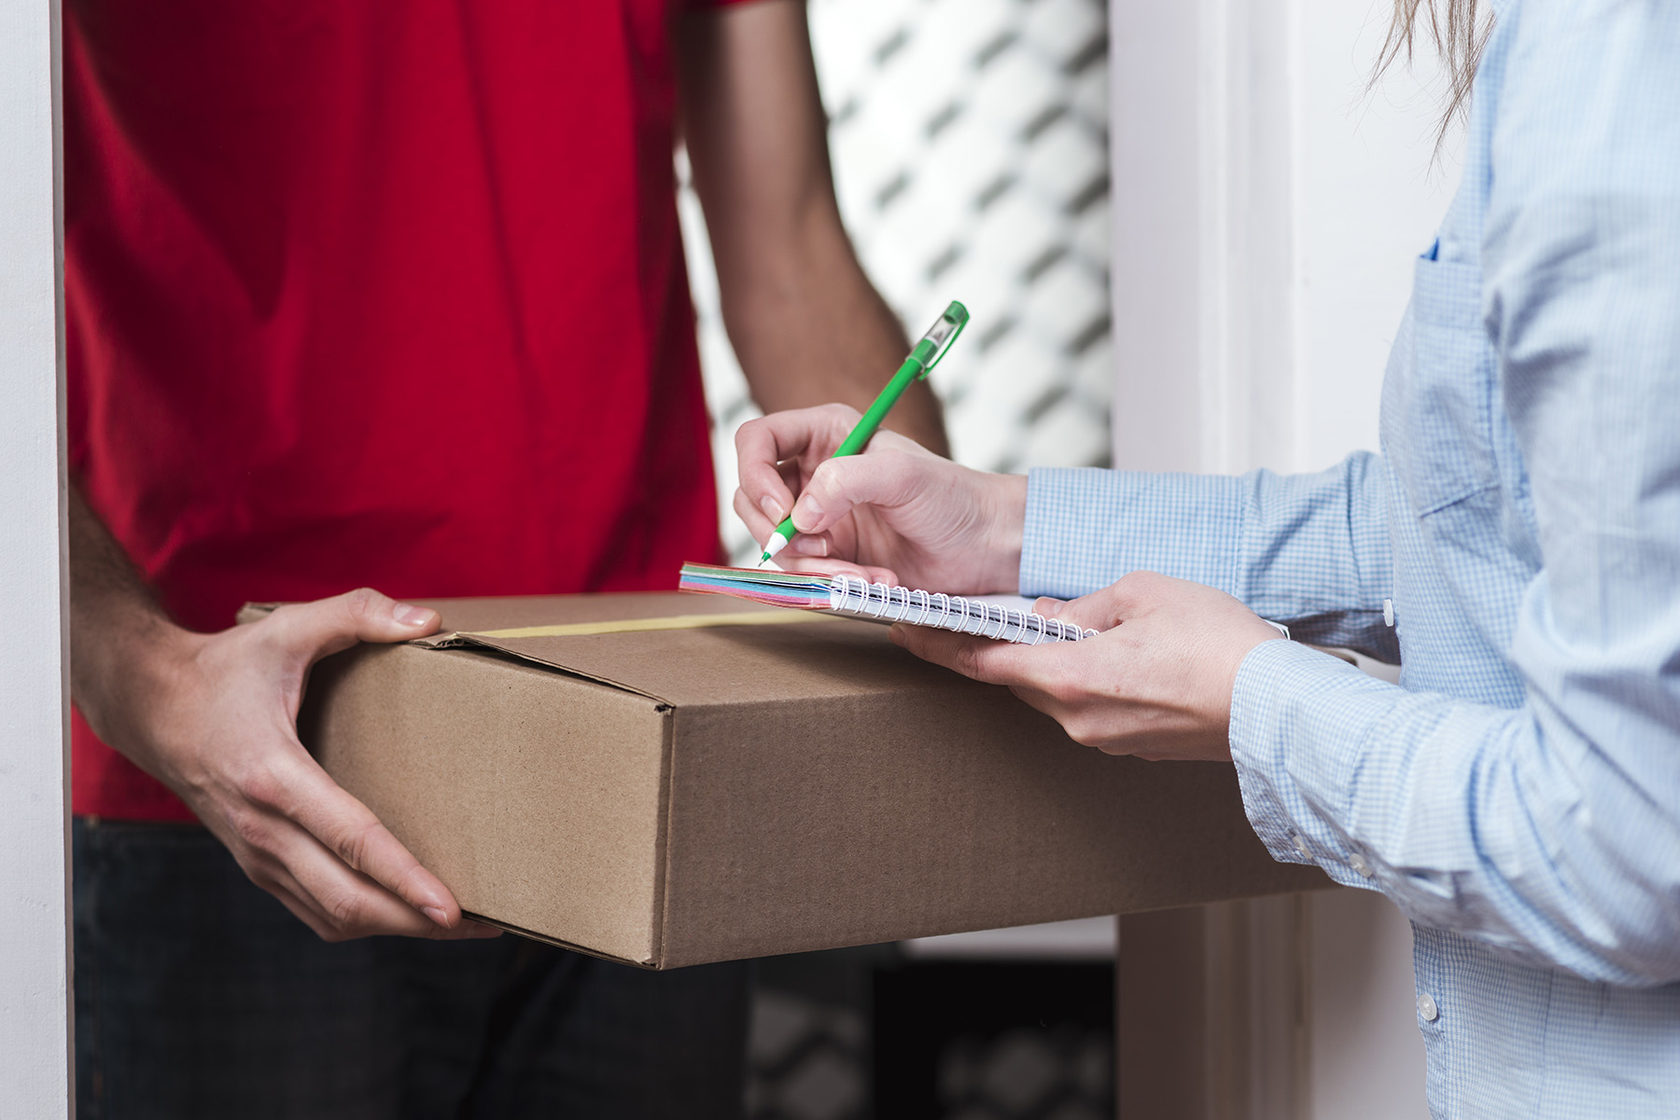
(923, 357)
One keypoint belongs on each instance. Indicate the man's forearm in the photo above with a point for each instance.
(806, 323)
(822, 333)
(115, 620)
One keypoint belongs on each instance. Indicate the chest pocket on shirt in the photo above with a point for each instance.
(1438, 396)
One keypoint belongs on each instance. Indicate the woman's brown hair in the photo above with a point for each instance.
(1459, 31)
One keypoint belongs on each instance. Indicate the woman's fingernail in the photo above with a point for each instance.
(772, 509)
(436, 915)
(806, 545)
(410, 615)
(812, 510)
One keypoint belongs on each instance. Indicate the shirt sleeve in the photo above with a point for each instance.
(1308, 550)
(1550, 832)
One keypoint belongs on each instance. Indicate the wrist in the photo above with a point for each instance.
(1007, 519)
(130, 675)
(1241, 649)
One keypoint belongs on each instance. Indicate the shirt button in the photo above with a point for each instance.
(1301, 845)
(1427, 1010)
(1388, 613)
(1357, 862)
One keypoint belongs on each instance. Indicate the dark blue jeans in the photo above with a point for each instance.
(198, 995)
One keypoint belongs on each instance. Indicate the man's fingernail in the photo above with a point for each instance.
(410, 615)
(436, 915)
(772, 508)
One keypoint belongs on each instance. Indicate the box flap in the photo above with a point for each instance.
(685, 661)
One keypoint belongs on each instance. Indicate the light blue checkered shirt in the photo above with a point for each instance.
(1518, 794)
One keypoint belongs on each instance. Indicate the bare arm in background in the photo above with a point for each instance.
(213, 716)
(806, 323)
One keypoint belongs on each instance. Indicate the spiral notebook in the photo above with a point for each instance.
(879, 602)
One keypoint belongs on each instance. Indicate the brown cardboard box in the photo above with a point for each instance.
(670, 797)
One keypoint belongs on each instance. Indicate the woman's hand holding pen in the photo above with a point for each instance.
(895, 514)
(1156, 681)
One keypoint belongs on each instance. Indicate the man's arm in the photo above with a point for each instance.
(213, 716)
(805, 321)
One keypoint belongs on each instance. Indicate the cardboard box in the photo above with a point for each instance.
(673, 796)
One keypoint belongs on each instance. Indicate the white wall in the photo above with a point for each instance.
(34, 970)
(1266, 211)
(1370, 189)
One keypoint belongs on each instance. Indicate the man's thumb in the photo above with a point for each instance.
(328, 625)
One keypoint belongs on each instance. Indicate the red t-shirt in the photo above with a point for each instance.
(376, 294)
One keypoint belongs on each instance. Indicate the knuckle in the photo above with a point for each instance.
(830, 477)
(353, 843)
(1148, 582)
(747, 433)
(260, 874)
(344, 913)
(360, 602)
(254, 834)
(263, 785)
(1081, 731)
(281, 619)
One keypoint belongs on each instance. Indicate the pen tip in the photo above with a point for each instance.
(775, 544)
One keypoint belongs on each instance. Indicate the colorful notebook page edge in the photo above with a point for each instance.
(808, 593)
(752, 576)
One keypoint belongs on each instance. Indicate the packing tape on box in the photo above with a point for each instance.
(670, 622)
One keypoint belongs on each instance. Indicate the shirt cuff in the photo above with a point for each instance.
(1284, 691)
(1086, 527)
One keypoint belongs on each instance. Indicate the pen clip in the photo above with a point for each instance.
(941, 335)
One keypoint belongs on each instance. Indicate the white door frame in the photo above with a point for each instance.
(1204, 270)
(1210, 1011)
(1266, 203)
(35, 1025)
